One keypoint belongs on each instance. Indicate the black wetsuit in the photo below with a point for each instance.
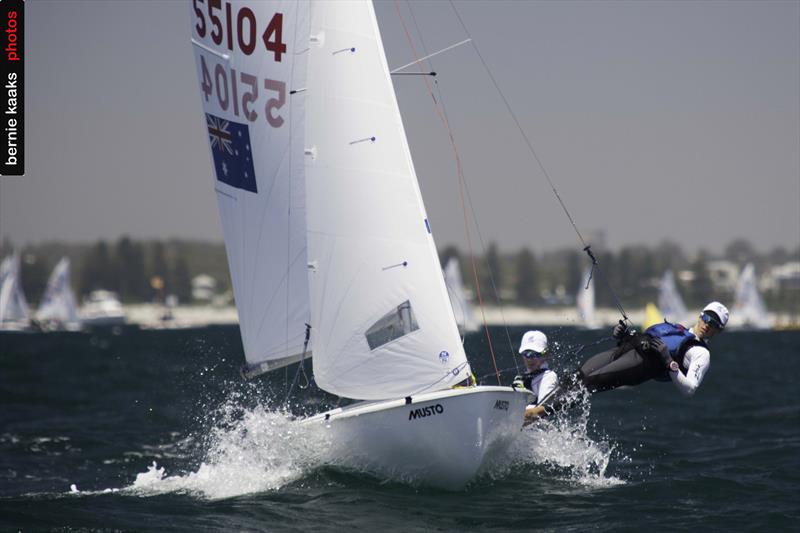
(625, 364)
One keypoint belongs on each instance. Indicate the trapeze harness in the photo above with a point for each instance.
(536, 383)
(629, 364)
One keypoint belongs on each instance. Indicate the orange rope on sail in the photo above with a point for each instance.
(461, 185)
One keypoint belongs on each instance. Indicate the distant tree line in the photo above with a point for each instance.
(127, 267)
(523, 277)
(632, 274)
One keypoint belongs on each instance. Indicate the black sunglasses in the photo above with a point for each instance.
(530, 354)
(711, 321)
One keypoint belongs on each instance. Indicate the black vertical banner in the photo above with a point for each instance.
(12, 88)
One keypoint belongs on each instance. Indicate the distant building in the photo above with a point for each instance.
(724, 275)
(204, 287)
(785, 277)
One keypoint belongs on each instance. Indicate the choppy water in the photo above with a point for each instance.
(154, 430)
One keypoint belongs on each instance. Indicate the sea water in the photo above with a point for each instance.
(155, 430)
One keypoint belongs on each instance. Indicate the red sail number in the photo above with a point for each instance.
(222, 22)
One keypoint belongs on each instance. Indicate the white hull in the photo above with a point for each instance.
(440, 439)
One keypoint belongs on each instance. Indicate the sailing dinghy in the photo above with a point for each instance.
(14, 313)
(749, 309)
(329, 247)
(58, 310)
(670, 302)
(465, 317)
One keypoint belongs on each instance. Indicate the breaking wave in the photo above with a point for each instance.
(562, 446)
(248, 451)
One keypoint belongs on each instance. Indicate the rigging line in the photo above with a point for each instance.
(528, 142)
(471, 205)
(300, 366)
(460, 190)
(398, 69)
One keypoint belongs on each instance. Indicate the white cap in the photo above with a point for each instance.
(533, 340)
(720, 310)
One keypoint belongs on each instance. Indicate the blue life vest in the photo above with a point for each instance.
(676, 337)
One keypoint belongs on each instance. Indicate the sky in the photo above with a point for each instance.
(654, 120)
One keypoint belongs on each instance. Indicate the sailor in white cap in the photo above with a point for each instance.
(688, 366)
(538, 377)
(665, 352)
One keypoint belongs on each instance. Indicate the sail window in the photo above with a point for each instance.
(393, 325)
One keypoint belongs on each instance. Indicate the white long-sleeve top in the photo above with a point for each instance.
(696, 363)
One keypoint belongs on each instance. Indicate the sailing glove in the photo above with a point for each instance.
(658, 346)
(619, 330)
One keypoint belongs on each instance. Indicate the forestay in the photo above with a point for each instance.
(382, 322)
(250, 56)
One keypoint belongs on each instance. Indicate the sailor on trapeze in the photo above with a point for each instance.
(664, 352)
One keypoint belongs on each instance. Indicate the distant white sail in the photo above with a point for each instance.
(670, 302)
(465, 317)
(382, 319)
(13, 305)
(749, 309)
(58, 305)
(255, 130)
(584, 301)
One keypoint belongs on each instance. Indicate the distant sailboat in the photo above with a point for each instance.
(330, 250)
(58, 310)
(584, 301)
(670, 303)
(14, 312)
(465, 317)
(749, 310)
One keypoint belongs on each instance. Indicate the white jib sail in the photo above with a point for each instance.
(670, 302)
(250, 58)
(58, 303)
(13, 305)
(382, 322)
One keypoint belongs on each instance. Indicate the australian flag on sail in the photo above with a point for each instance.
(233, 159)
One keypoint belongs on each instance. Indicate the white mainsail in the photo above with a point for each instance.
(324, 224)
(382, 322)
(13, 305)
(670, 302)
(250, 57)
(58, 304)
(465, 318)
(749, 309)
(584, 301)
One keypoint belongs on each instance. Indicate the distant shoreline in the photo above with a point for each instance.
(149, 315)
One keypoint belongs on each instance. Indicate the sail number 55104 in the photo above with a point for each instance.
(240, 28)
(239, 91)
